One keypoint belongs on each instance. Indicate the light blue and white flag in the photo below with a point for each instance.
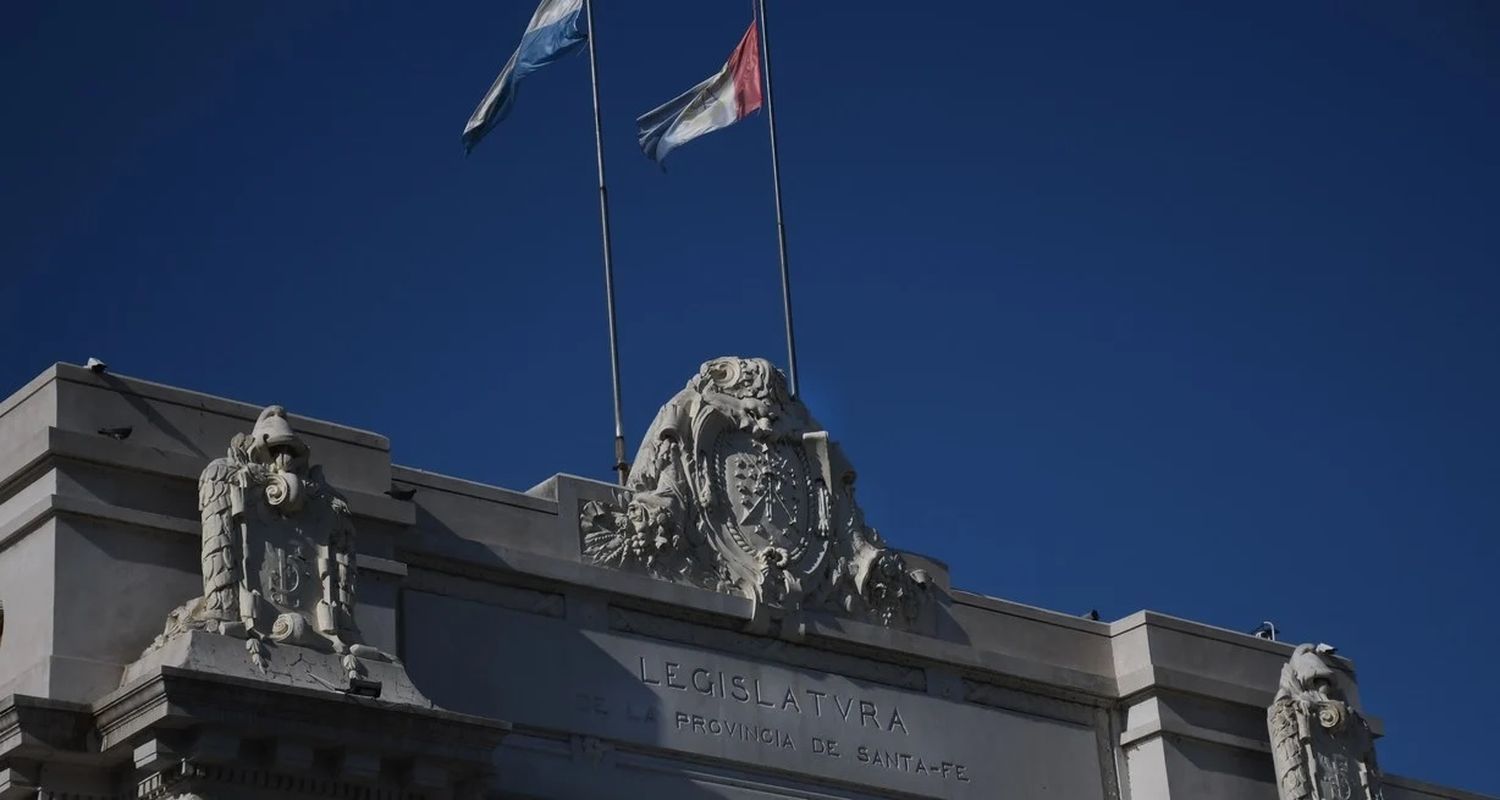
(556, 30)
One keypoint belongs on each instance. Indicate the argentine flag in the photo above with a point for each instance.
(555, 31)
(724, 99)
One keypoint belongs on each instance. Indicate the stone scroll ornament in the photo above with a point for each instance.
(736, 489)
(277, 551)
(1322, 748)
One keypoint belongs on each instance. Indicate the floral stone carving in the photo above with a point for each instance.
(278, 553)
(736, 489)
(1323, 749)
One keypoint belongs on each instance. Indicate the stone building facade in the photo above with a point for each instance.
(303, 618)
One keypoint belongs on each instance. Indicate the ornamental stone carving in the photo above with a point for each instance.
(278, 564)
(736, 489)
(1322, 748)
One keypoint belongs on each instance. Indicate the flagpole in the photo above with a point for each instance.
(786, 276)
(621, 466)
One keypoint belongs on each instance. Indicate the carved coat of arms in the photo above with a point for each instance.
(1322, 748)
(736, 489)
(278, 553)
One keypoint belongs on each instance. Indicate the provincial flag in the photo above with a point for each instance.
(555, 31)
(722, 100)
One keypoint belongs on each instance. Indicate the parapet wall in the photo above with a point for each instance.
(618, 683)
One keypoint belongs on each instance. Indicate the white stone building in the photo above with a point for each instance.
(728, 627)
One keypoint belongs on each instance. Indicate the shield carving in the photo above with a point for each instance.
(287, 563)
(737, 489)
(1322, 747)
(766, 484)
(287, 552)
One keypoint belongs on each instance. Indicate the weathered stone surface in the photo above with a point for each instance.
(493, 599)
(737, 489)
(278, 562)
(278, 546)
(299, 667)
(699, 702)
(194, 731)
(1322, 747)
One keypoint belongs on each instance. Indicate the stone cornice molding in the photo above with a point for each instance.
(178, 728)
(32, 727)
(175, 697)
(59, 443)
(57, 505)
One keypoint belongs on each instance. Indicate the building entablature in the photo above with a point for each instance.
(730, 598)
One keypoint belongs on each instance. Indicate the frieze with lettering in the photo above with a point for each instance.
(744, 712)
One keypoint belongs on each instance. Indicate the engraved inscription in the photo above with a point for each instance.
(745, 690)
(878, 735)
(616, 687)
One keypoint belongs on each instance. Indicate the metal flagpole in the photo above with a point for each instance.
(786, 276)
(609, 269)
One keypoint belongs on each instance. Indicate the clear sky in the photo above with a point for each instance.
(1183, 306)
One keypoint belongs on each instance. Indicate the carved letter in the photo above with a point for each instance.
(760, 701)
(817, 697)
(707, 687)
(644, 679)
(672, 668)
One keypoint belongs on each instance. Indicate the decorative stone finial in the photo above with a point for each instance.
(1323, 748)
(736, 489)
(279, 569)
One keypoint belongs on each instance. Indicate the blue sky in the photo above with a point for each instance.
(1180, 306)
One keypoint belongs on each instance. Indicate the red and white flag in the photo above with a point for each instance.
(722, 100)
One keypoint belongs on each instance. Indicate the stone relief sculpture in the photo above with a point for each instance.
(278, 555)
(1322, 748)
(736, 489)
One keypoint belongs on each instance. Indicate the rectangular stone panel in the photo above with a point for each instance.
(550, 674)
